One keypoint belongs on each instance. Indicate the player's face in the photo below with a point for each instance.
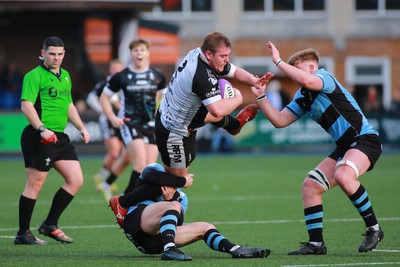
(115, 67)
(219, 59)
(307, 66)
(140, 55)
(53, 57)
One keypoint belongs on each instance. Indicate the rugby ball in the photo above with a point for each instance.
(226, 88)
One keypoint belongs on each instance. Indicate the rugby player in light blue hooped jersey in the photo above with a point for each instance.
(358, 147)
(152, 217)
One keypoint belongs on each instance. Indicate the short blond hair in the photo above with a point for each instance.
(214, 40)
(303, 55)
(137, 42)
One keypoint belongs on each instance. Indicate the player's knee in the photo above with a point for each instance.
(344, 170)
(312, 186)
(317, 180)
(204, 227)
(175, 205)
(307, 188)
(75, 182)
(139, 166)
(341, 177)
(113, 155)
(209, 226)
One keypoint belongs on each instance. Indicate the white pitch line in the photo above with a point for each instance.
(302, 221)
(387, 250)
(222, 223)
(7, 236)
(344, 264)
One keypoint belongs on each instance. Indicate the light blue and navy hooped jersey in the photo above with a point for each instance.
(334, 108)
(183, 200)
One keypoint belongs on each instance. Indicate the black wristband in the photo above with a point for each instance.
(261, 97)
(41, 129)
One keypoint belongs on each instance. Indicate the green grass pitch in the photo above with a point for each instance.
(251, 199)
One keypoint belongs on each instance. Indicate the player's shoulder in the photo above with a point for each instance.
(322, 73)
(64, 72)
(123, 72)
(35, 70)
(36, 73)
(156, 70)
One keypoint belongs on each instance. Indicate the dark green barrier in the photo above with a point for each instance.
(11, 126)
(259, 133)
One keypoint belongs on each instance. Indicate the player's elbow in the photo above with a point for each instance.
(215, 111)
(217, 114)
(277, 124)
(24, 106)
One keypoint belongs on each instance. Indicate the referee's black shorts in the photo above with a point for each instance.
(43, 156)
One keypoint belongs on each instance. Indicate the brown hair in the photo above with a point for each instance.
(137, 42)
(303, 55)
(52, 41)
(214, 40)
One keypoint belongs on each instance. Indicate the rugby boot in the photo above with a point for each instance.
(247, 114)
(249, 252)
(28, 238)
(175, 254)
(119, 211)
(54, 232)
(372, 238)
(309, 249)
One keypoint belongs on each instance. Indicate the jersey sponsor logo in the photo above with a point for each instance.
(141, 82)
(53, 92)
(141, 87)
(213, 92)
(213, 80)
(176, 151)
(65, 92)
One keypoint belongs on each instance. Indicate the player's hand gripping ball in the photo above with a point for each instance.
(226, 88)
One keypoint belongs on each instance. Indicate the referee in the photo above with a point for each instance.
(46, 102)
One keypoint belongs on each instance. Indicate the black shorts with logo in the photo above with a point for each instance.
(369, 144)
(177, 152)
(145, 243)
(43, 156)
(130, 132)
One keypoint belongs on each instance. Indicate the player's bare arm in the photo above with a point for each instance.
(278, 118)
(302, 73)
(30, 113)
(225, 106)
(108, 110)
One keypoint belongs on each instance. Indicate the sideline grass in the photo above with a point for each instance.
(252, 199)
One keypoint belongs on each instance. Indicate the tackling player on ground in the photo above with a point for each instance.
(154, 215)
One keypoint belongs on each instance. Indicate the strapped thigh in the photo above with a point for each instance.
(348, 163)
(319, 177)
